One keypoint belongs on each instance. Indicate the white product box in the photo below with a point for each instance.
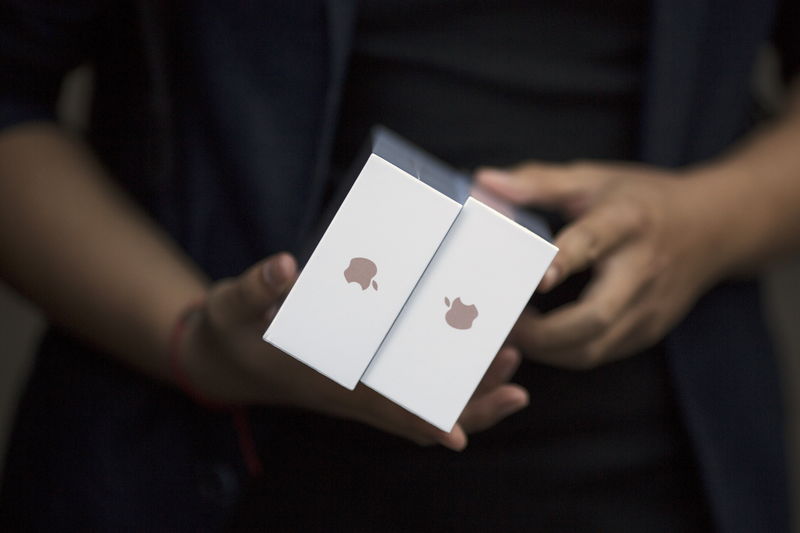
(459, 314)
(409, 291)
(362, 271)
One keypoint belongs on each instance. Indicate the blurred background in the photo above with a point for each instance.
(21, 325)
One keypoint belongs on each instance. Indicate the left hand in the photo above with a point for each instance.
(226, 362)
(651, 235)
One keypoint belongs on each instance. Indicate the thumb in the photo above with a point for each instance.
(260, 287)
(456, 440)
(561, 187)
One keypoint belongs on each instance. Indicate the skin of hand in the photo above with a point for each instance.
(227, 361)
(653, 238)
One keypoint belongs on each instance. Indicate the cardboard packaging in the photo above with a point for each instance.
(408, 290)
(459, 314)
(362, 272)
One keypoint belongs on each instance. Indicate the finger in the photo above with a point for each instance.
(580, 322)
(490, 408)
(456, 440)
(588, 239)
(424, 433)
(252, 294)
(503, 366)
(632, 333)
(371, 407)
(566, 187)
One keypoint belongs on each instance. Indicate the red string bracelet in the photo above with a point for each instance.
(240, 418)
(178, 372)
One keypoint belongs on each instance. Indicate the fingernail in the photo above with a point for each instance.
(511, 351)
(273, 272)
(460, 446)
(493, 174)
(550, 278)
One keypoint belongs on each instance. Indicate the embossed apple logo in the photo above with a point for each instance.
(460, 316)
(361, 271)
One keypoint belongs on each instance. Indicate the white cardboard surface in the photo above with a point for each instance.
(336, 326)
(431, 368)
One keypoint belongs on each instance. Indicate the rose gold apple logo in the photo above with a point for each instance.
(460, 316)
(361, 271)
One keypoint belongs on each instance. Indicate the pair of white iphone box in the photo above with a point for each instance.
(410, 290)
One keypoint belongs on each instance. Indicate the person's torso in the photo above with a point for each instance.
(497, 84)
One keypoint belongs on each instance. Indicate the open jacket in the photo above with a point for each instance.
(117, 451)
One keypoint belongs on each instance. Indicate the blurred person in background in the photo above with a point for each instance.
(217, 132)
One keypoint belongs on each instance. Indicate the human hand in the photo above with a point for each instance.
(652, 238)
(226, 361)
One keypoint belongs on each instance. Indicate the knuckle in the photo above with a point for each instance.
(526, 169)
(593, 356)
(590, 241)
(527, 172)
(565, 258)
(581, 167)
(586, 360)
(650, 272)
(652, 265)
(217, 310)
(635, 217)
(602, 317)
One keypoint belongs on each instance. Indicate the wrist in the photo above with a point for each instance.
(208, 372)
(184, 381)
(177, 355)
(729, 217)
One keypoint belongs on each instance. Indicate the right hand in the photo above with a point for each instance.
(227, 361)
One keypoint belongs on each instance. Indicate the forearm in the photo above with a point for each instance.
(78, 248)
(754, 194)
